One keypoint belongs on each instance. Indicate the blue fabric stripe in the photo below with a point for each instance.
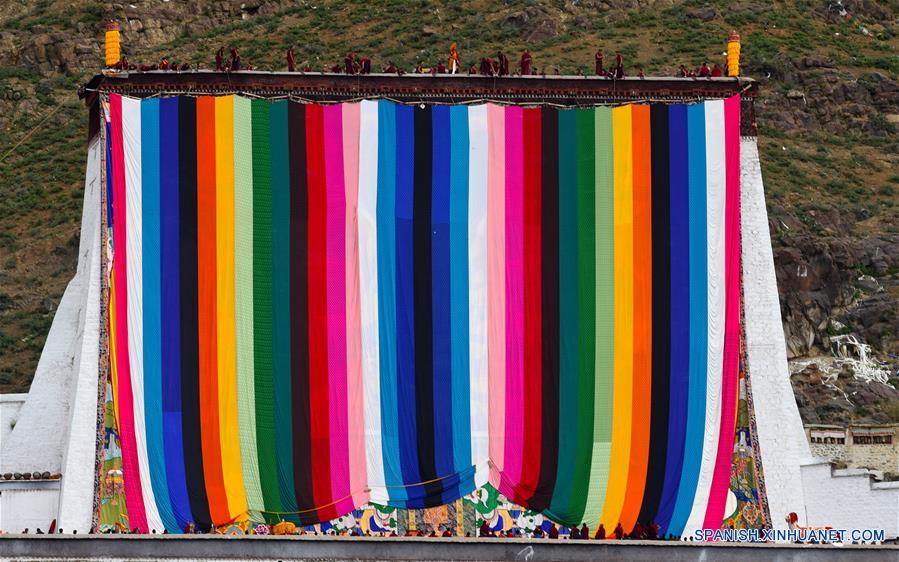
(698, 373)
(170, 281)
(458, 217)
(152, 319)
(386, 217)
(680, 311)
(405, 294)
(440, 298)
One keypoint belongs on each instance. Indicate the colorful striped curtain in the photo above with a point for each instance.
(316, 306)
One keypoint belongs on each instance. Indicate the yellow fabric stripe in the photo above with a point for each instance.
(624, 316)
(227, 346)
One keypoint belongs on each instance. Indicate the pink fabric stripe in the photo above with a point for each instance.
(514, 441)
(134, 500)
(335, 260)
(354, 312)
(714, 514)
(496, 290)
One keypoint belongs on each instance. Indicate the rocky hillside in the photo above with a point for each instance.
(828, 115)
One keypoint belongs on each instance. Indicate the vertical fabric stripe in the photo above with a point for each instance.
(299, 315)
(680, 311)
(152, 310)
(549, 313)
(262, 307)
(715, 212)
(496, 290)
(131, 136)
(369, 171)
(514, 200)
(624, 316)
(698, 348)
(441, 306)
(661, 314)
(604, 267)
(281, 304)
(225, 312)
(478, 244)
(130, 463)
(532, 291)
(642, 326)
(560, 506)
(170, 279)
(243, 274)
(420, 308)
(385, 229)
(189, 269)
(354, 384)
(318, 311)
(406, 341)
(335, 245)
(459, 287)
(586, 271)
(721, 477)
(207, 337)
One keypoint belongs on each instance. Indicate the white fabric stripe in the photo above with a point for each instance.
(477, 291)
(131, 131)
(368, 295)
(715, 193)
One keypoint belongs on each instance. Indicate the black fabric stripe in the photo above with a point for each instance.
(661, 314)
(190, 366)
(549, 444)
(299, 313)
(424, 350)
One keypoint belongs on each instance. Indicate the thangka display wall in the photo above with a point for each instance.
(312, 307)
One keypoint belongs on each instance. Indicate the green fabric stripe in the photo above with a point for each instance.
(262, 305)
(560, 505)
(586, 306)
(605, 316)
(243, 288)
(281, 303)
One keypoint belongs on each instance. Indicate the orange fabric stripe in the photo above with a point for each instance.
(206, 307)
(639, 454)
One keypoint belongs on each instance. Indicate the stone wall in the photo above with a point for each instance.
(848, 445)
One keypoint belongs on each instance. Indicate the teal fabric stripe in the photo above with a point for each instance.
(458, 214)
(560, 507)
(386, 219)
(152, 293)
(281, 304)
(698, 362)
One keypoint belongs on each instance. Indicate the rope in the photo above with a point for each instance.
(29, 133)
(351, 494)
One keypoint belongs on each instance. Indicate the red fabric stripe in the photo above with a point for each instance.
(318, 313)
(533, 303)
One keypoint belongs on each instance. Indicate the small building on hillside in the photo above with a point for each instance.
(875, 447)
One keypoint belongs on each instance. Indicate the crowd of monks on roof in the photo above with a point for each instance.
(357, 65)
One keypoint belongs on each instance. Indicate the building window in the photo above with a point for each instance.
(841, 441)
(862, 439)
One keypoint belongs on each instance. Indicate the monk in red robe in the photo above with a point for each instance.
(600, 71)
(716, 71)
(291, 61)
(704, 71)
(526, 60)
(503, 64)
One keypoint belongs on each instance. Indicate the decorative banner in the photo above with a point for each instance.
(313, 307)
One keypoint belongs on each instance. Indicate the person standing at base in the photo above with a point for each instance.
(600, 71)
(600, 533)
